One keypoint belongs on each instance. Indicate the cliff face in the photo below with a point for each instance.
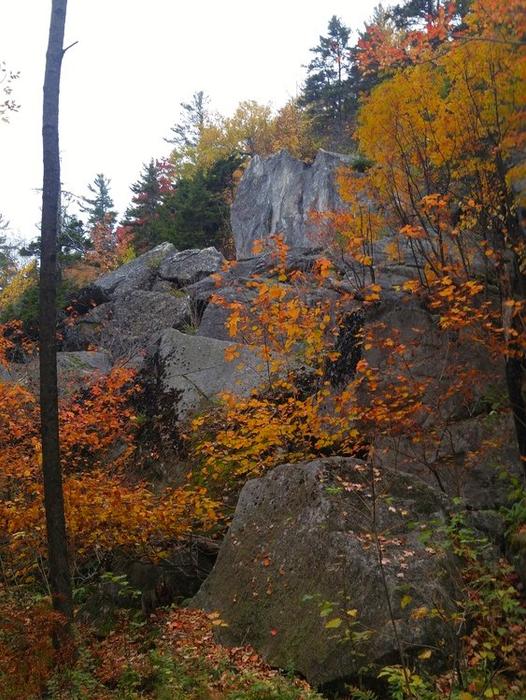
(277, 194)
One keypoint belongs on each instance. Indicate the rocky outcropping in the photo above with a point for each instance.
(138, 320)
(128, 324)
(317, 556)
(140, 273)
(76, 370)
(276, 196)
(194, 370)
(188, 266)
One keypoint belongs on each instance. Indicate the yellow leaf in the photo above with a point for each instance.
(333, 624)
(405, 601)
(426, 654)
(420, 613)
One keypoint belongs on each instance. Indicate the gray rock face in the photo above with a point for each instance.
(137, 274)
(466, 462)
(75, 371)
(195, 369)
(6, 375)
(175, 578)
(232, 286)
(463, 442)
(188, 266)
(215, 316)
(277, 194)
(125, 326)
(298, 575)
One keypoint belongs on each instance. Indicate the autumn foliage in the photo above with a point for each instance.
(295, 414)
(442, 137)
(106, 508)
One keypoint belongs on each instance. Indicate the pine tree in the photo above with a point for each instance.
(8, 264)
(194, 118)
(72, 241)
(328, 93)
(199, 207)
(7, 104)
(99, 207)
(413, 14)
(147, 216)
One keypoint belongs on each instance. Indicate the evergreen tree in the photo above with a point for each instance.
(190, 213)
(328, 93)
(199, 206)
(8, 262)
(99, 207)
(194, 118)
(7, 104)
(412, 14)
(147, 216)
(72, 241)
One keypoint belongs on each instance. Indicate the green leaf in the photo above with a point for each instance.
(326, 608)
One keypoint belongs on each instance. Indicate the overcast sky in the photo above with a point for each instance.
(136, 60)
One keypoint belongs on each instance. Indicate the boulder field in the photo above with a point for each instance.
(326, 564)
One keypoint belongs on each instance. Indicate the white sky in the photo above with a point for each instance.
(136, 60)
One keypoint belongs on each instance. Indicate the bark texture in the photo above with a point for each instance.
(59, 573)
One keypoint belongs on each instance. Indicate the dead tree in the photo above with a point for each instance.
(59, 571)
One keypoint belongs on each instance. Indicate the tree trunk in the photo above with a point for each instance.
(516, 361)
(59, 573)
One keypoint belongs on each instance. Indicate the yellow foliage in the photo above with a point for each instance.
(23, 280)
(296, 414)
(252, 129)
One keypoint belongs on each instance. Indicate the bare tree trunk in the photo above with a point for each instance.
(59, 573)
(516, 360)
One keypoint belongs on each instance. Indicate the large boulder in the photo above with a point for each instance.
(277, 195)
(185, 267)
(213, 323)
(140, 273)
(126, 325)
(194, 369)
(316, 558)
